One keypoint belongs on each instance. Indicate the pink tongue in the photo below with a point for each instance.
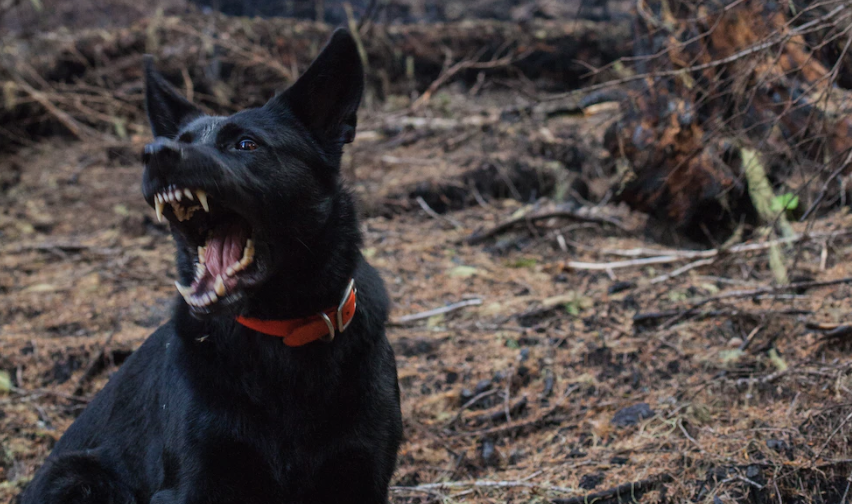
(224, 248)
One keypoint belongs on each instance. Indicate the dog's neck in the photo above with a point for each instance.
(306, 290)
(314, 276)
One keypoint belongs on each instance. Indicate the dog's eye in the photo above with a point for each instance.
(246, 144)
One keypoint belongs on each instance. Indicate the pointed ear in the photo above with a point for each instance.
(326, 97)
(167, 109)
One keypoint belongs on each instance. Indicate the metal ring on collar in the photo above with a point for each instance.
(330, 335)
(349, 288)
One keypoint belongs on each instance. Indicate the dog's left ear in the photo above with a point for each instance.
(326, 97)
(167, 109)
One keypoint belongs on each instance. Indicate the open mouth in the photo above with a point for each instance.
(219, 239)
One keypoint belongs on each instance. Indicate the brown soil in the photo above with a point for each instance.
(744, 401)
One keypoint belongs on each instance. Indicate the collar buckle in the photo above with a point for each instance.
(350, 291)
(341, 325)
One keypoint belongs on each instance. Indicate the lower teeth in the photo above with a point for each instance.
(219, 290)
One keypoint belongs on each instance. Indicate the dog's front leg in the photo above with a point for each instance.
(220, 470)
(78, 478)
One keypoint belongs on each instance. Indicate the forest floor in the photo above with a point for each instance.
(553, 381)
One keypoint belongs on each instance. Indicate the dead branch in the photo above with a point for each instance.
(435, 215)
(34, 395)
(405, 319)
(649, 318)
(683, 269)
(471, 402)
(752, 293)
(466, 64)
(60, 247)
(438, 123)
(779, 288)
(480, 237)
(431, 487)
(502, 415)
(541, 419)
(670, 256)
(81, 131)
(645, 261)
(628, 492)
(698, 254)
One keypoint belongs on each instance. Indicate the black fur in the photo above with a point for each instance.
(208, 411)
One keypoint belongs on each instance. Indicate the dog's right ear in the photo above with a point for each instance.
(167, 109)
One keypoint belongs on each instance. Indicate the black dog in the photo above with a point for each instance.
(274, 381)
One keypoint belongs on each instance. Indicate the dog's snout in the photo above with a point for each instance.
(161, 152)
(161, 158)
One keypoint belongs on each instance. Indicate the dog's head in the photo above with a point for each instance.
(246, 195)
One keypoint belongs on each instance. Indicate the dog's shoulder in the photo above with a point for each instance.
(373, 297)
(129, 393)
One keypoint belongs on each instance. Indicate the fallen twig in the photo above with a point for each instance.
(825, 186)
(752, 293)
(504, 414)
(470, 403)
(479, 237)
(81, 131)
(780, 288)
(650, 317)
(644, 261)
(517, 426)
(435, 215)
(670, 256)
(683, 269)
(33, 395)
(435, 311)
(739, 477)
(430, 487)
(628, 492)
(437, 123)
(830, 331)
(58, 247)
(839, 333)
(467, 64)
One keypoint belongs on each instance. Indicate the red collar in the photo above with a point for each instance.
(298, 332)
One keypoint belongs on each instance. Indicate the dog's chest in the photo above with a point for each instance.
(284, 459)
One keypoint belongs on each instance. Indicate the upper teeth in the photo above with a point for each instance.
(173, 195)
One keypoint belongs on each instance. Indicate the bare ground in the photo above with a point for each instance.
(561, 383)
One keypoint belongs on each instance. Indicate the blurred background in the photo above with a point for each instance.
(616, 233)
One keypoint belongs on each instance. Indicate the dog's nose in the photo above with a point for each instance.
(161, 151)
